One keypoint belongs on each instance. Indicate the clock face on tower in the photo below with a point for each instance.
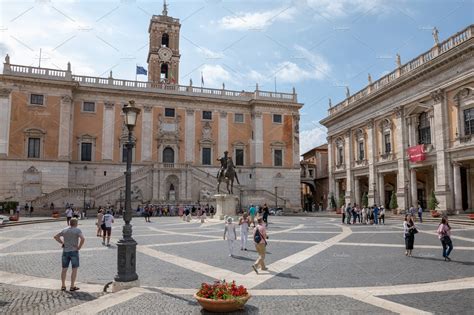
(165, 53)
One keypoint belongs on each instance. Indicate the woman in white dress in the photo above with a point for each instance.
(231, 234)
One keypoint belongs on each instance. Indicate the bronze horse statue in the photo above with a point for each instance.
(228, 175)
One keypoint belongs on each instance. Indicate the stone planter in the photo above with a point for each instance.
(55, 215)
(435, 214)
(222, 306)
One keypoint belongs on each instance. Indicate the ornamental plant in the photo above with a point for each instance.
(393, 201)
(222, 290)
(365, 200)
(433, 202)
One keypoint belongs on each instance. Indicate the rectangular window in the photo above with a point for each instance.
(169, 112)
(37, 99)
(469, 121)
(239, 157)
(34, 147)
(86, 151)
(207, 115)
(361, 151)
(388, 145)
(238, 118)
(88, 107)
(206, 156)
(278, 157)
(277, 118)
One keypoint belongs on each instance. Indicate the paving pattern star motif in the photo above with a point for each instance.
(315, 265)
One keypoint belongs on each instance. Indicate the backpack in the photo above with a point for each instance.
(257, 237)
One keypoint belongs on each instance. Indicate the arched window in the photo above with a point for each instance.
(424, 129)
(168, 155)
(164, 72)
(165, 40)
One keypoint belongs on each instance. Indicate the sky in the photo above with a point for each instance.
(317, 46)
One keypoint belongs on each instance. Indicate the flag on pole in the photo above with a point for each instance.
(141, 70)
(202, 79)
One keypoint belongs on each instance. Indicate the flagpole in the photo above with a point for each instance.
(275, 84)
(136, 66)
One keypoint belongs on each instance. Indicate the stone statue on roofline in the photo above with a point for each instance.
(435, 35)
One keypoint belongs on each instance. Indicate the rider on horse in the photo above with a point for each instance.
(223, 160)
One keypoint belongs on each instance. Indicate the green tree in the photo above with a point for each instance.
(393, 201)
(365, 200)
(433, 202)
(342, 200)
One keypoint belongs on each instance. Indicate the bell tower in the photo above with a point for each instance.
(163, 56)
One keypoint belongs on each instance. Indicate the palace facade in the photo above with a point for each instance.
(410, 133)
(62, 135)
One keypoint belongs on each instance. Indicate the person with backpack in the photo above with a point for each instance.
(106, 226)
(444, 235)
(260, 239)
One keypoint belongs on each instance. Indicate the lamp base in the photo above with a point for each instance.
(118, 285)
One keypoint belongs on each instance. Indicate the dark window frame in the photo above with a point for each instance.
(168, 155)
(86, 153)
(169, 110)
(388, 144)
(35, 99)
(90, 104)
(34, 148)
(278, 160)
(239, 157)
(206, 160)
(206, 113)
(277, 121)
(424, 129)
(468, 118)
(239, 115)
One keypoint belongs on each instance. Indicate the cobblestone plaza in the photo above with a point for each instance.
(316, 265)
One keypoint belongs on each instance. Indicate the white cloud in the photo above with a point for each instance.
(342, 8)
(312, 138)
(215, 75)
(257, 20)
(209, 54)
(316, 67)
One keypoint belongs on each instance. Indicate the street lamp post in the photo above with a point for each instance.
(276, 198)
(84, 204)
(126, 246)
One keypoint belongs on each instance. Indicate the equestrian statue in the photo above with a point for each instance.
(227, 173)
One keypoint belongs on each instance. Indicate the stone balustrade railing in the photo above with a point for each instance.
(405, 69)
(110, 82)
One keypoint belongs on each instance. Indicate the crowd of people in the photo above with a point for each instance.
(363, 215)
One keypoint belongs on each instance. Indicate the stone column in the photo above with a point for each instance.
(381, 190)
(457, 186)
(5, 113)
(400, 153)
(348, 159)
(257, 138)
(189, 135)
(357, 190)
(223, 135)
(296, 140)
(108, 126)
(413, 188)
(337, 193)
(371, 149)
(147, 132)
(443, 169)
(65, 127)
(331, 181)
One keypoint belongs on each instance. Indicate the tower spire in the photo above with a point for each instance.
(165, 8)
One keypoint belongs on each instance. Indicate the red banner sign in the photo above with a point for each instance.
(417, 153)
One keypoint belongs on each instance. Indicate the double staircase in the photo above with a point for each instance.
(97, 193)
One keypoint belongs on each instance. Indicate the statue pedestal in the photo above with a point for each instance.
(226, 205)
